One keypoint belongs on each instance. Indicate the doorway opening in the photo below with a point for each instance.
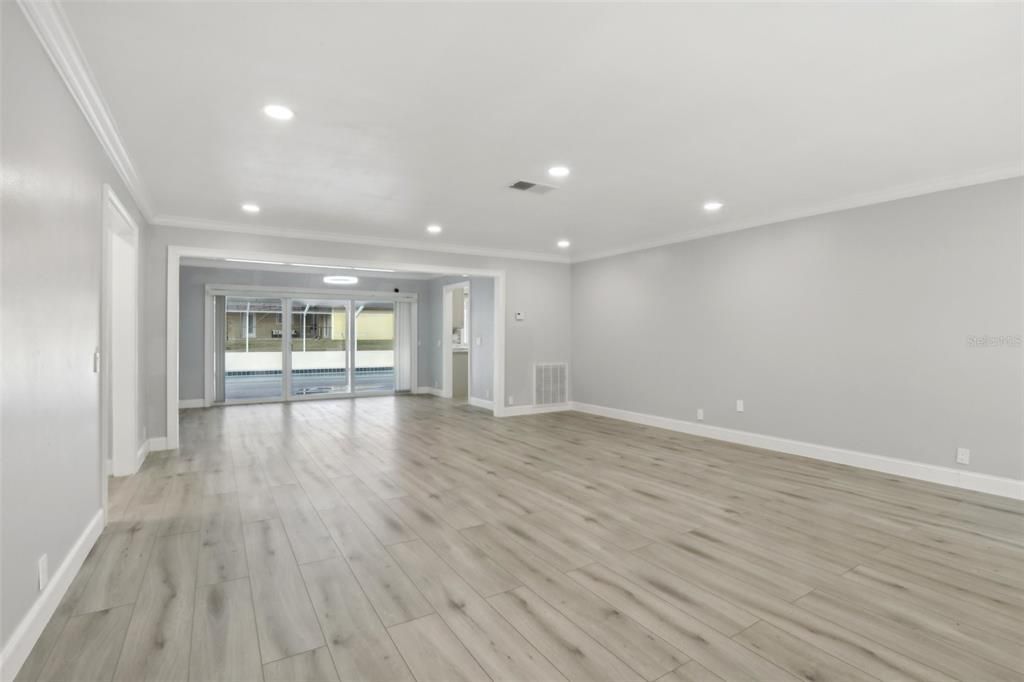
(118, 354)
(456, 347)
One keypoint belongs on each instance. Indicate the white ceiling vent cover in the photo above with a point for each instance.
(532, 187)
(550, 384)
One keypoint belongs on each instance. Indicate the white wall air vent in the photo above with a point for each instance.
(532, 187)
(550, 384)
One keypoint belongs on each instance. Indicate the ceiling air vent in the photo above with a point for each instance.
(533, 187)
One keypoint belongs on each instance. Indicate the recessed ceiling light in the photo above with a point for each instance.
(279, 112)
(373, 269)
(563, 243)
(250, 208)
(248, 260)
(558, 171)
(712, 206)
(340, 279)
(433, 229)
(314, 265)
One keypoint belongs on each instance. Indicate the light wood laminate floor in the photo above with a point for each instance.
(411, 539)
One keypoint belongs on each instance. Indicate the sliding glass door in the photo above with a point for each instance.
(319, 347)
(375, 346)
(290, 348)
(253, 360)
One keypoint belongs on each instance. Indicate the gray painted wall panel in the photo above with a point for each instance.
(847, 329)
(53, 175)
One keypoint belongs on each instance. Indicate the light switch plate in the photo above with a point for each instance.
(963, 456)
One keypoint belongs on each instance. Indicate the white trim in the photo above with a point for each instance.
(157, 444)
(140, 455)
(977, 177)
(26, 634)
(51, 26)
(112, 403)
(526, 410)
(994, 485)
(480, 402)
(429, 390)
(324, 236)
(175, 253)
(192, 403)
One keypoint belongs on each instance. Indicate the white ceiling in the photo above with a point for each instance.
(408, 114)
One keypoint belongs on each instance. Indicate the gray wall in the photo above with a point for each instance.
(481, 324)
(53, 176)
(192, 286)
(541, 290)
(848, 329)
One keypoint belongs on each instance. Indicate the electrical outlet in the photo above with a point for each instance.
(44, 572)
(963, 456)
(700, 414)
(520, 317)
(511, 400)
(739, 405)
(478, 339)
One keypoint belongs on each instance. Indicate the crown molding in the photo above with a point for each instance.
(51, 26)
(323, 236)
(977, 177)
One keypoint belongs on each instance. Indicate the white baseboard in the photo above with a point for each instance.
(190, 403)
(524, 410)
(429, 390)
(140, 456)
(25, 635)
(480, 402)
(157, 444)
(994, 485)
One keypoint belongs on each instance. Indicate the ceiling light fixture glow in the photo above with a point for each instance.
(373, 269)
(712, 206)
(340, 279)
(558, 171)
(251, 208)
(563, 243)
(279, 112)
(314, 265)
(434, 229)
(249, 260)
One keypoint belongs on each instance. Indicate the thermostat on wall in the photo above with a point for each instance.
(520, 317)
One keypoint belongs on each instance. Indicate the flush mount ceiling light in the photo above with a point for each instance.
(248, 260)
(251, 208)
(563, 243)
(712, 206)
(558, 171)
(313, 265)
(278, 112)
(434, 229)
(373, 269)
(340, 279)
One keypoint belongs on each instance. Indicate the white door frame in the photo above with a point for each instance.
(176, 253)
(120, 405)
(446, 340)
